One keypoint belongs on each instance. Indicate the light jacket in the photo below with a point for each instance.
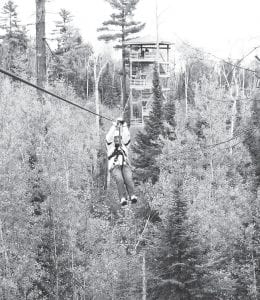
(117, 156)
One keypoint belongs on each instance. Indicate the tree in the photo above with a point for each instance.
(148, 144)
(119, 28)
(9, 21)
(169, 114)
(56, 278)
(253, 139)
(63, 29)
(109, 87)
(71, 62)
(176, 274)
(196, 68)
(14, 40)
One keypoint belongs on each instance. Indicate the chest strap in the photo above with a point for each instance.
(116, 153)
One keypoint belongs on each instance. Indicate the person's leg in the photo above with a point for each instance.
(116, 173)
(127, 174)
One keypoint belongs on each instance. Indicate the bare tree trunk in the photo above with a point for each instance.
(211, 154)
(224, 73)
(233, 115)
(220, 78)
(6, 274)
(254, 276)
(144, 290)
(84, 286)
(122, 97)
(126, 113)
(87, 86)
(233, 109)
(55, 254)
(234, 112)
(41, 66)
(97, 78)
(243, 92)
(87, 69)
(186, 79)
(113, 76)
(73, 275)
(96, 95)
(243, 83)
(67, 175)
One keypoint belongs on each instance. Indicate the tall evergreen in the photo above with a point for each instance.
(55, 280)
(253, 138)
(14, 40)
(175, 274)
(109, 88)
(119, 28)
(70, 63)
(253, 142)
(148, 144)
(169, 114)
(63, 30)
(9, 17)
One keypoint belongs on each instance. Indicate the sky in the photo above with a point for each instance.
(226, 28)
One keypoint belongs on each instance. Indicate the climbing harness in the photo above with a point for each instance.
(118, 149)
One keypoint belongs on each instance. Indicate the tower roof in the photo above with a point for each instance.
(147, 40)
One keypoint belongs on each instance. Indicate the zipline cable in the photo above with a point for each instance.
(239, 62)
(219, 58)
(50, 93)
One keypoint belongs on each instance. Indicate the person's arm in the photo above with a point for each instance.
(110, 134)
(125, 134)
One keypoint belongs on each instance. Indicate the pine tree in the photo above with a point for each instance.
(71, 56)
(109, 89)
(148, 144)
(55, 280)
(14, 39)
(119, 28)
(169, 114)
(9, 19)
(176, 261)
(252, 141)
(63, 30)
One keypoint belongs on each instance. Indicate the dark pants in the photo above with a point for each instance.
(124, 181)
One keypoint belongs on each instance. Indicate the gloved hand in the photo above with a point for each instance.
(120, 121)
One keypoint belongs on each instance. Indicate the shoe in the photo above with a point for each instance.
(123, 201)
(133, 199)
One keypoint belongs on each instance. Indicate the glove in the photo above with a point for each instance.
(120, 121)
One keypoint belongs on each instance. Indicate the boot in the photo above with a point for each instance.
(123, 201)
(133, 199)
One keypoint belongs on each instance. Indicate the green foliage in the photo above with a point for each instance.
(178, 272)
(109, 87)
(148, 144)
(14, 41)
(119, 28)
(196, 68)
(63, 29)
(194, 233)
(121, 22)
(253, 140)
(9, 20)
(70, 63)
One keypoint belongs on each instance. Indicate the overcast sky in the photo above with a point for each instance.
(227, 28)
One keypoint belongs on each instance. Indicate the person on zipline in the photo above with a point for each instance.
(117, 141)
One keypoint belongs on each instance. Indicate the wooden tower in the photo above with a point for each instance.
(143, 55)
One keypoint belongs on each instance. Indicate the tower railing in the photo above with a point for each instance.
(140, 83)
(145, 56)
